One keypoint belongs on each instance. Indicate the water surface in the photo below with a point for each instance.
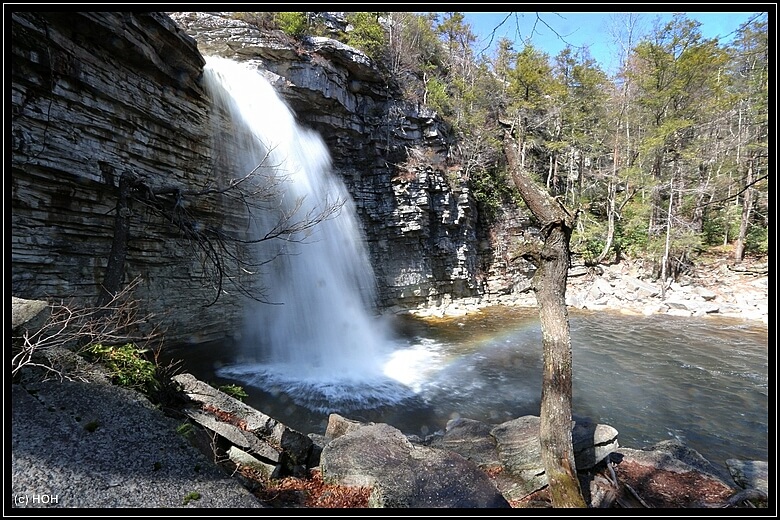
(703, 381)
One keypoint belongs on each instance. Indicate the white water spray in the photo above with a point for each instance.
(318, 341)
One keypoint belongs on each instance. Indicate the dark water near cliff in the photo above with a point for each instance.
(702, 381)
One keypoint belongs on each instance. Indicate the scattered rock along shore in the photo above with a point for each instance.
(94, 445)
(717, 288)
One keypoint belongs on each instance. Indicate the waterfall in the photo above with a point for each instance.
(318, 338)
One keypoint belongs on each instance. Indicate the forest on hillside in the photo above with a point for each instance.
(664, 161)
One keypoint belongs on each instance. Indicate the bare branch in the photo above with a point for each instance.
(560, 37)
(220, 250)
(71, 327)
(528, 38)
(493, 32)
(735, 195)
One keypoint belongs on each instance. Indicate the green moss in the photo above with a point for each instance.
(185, 430)
(565, 490)
(192, 495)
(126, 365)
(234, 391)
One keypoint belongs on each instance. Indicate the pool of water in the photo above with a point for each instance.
(703, 381)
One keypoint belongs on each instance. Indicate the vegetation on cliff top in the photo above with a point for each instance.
(665, 160)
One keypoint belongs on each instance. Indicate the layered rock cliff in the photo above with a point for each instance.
(418, 214)
(98, 95)
(94, 96)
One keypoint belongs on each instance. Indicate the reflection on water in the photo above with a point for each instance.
(702, 381)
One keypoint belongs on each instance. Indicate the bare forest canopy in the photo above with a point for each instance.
(665, 160)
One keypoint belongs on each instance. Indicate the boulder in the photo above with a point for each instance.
(672, 455)
(23, 311)
(249, 429)
(472, 440)
(406, 475)
(592, 443)
(338, 426)
(520, 454)
(514, 447)
(750, 474)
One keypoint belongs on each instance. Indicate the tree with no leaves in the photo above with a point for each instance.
(259, 190)
(549, 284)
(531, 84)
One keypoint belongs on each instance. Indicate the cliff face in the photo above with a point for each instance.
(418, 214)
(93, 96)
(96, 95)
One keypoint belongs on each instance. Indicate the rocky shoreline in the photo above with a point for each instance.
(714, 289)
(79, 444)
(57, 456)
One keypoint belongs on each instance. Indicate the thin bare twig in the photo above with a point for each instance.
(72, 327)
(221, 250)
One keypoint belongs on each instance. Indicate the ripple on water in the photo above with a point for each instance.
(634, 373)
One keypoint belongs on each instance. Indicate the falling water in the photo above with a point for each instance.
(317, 339)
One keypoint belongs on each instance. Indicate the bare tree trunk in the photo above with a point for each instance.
(665, 261)
(612, 194)
(550, 174)
(702, 191)
(549, 284)
(655, 196)
(580, 175)
(555, 430)
(728, 196)
(747, 208)
(115, 270)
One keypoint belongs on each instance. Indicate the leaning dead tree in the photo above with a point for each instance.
(551, 258)
(223, 251)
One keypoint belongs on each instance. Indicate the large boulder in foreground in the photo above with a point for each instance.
(95, 445)
(513, 447)
(406, 475)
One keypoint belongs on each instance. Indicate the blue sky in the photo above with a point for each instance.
(593, 29)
